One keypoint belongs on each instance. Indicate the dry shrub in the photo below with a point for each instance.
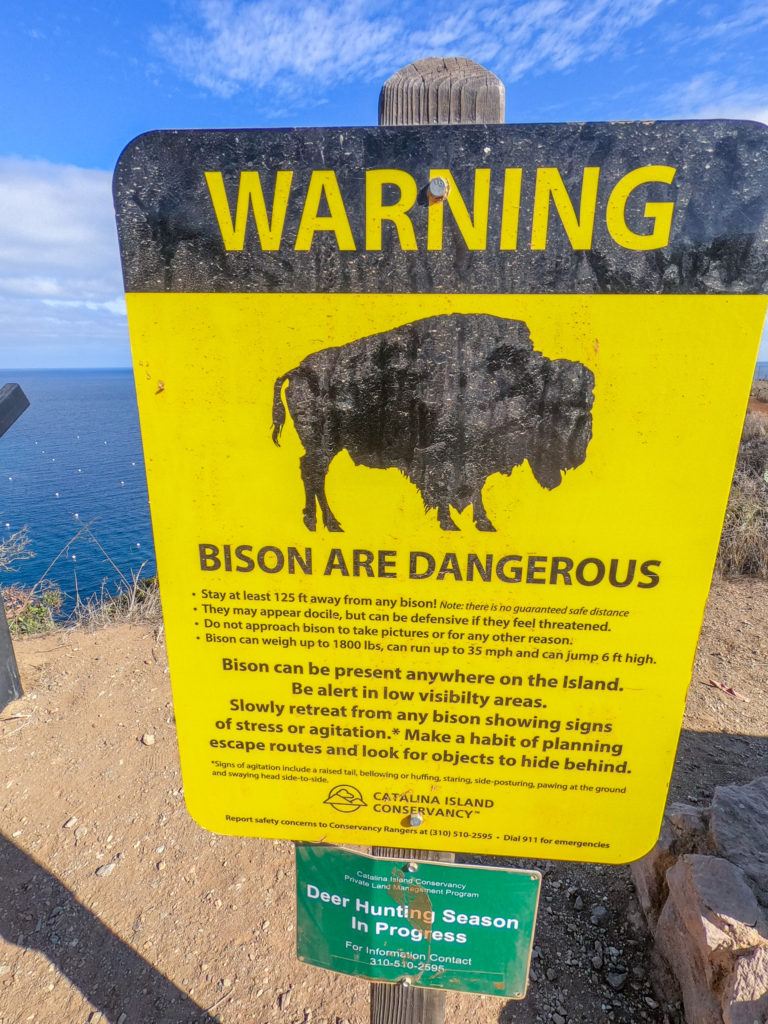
(29, 610)
(15, 548)
(760, 390)
(41, 608)
(744, 542)
(137, 600)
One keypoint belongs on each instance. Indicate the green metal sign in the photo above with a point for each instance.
(448, 926)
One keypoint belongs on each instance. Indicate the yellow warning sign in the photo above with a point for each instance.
(433, 565)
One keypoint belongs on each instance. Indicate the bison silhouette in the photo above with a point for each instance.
(447, 400)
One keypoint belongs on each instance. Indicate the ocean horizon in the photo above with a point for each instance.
(72, 472)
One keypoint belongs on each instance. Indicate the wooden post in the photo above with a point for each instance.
(13, 402)
(436, 90)
(442, 90)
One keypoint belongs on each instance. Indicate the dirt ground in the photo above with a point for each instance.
(116, 907)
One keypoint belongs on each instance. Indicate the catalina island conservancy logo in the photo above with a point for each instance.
(345, 799)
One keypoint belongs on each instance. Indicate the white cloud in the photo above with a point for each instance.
(60, 282)
(313, 45)
(116, 306)
(735, 21)
(32, 286)
(713, 95)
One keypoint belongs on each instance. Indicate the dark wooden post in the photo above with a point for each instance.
(10, 680)
(13, 402)
(436, 90)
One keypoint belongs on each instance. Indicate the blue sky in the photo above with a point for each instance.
(80, 80)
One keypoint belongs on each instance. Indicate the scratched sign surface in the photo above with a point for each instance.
(438, 925)
(437, 486)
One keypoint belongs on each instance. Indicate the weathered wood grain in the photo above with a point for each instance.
(436, 90)
(442, 90)
(402, 1004)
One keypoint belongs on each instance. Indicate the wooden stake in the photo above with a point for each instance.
(13, 402)
(436, 90)
(403, 1004)
(10, 681)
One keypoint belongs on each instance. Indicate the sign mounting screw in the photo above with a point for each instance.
(438, 188)
(415, 820)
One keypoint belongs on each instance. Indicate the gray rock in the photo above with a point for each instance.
(745, 997)
(689, 823)
(738, 829)
(687, 965)
(616, 981)
(684, 830)
(648, 877)
(105, 870)
(598, 914)
(721, 915)
(728, 902)
(710, 931)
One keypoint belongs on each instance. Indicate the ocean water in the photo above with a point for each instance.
(71, 470)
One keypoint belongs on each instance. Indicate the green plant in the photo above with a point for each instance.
(32, 610)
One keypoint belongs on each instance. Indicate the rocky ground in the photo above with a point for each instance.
(116, 907)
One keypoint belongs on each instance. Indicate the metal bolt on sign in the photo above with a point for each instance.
(438, 188)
